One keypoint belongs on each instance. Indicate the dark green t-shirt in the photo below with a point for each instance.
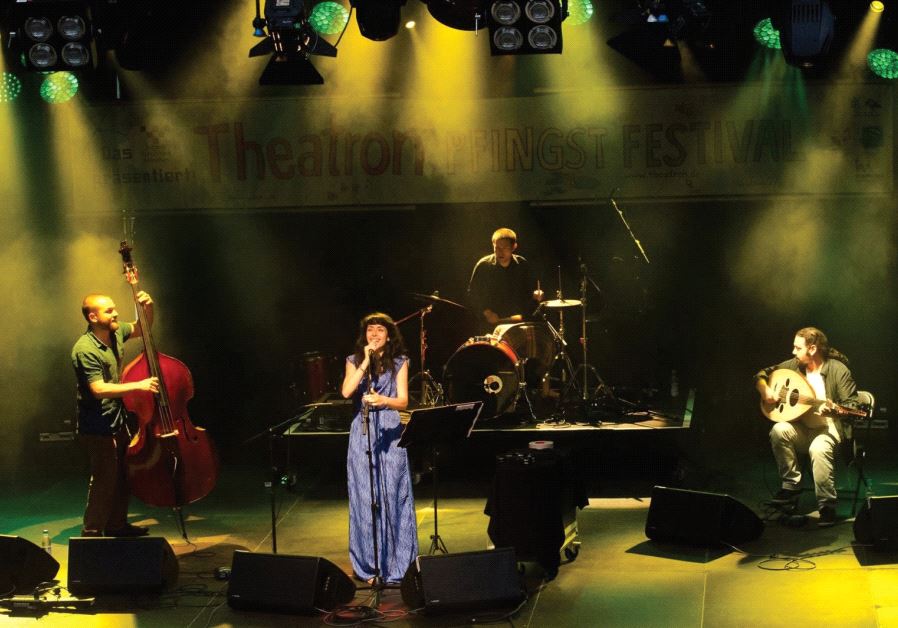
(94, 361)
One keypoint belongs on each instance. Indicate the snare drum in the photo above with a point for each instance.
(484, 369)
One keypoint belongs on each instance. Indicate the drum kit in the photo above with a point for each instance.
(506, 367)
(503, 369)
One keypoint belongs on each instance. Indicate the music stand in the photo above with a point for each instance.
(435, 427)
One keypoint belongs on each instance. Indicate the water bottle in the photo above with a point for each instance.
(46, 544)
(674, 384)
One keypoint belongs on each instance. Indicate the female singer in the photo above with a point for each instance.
(380, 351)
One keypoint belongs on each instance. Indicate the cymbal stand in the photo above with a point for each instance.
(431, 391)
(586, 369)
(566, 377)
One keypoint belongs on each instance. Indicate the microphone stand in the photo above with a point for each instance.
(275, 480)
(377, 585)
(629, 230)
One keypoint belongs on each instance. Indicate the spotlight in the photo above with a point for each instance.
(52, 35)
(806, 31)
(463, 15)
(59, 87)
(883, 62)
(290, 42)
(378, 19)
(525, 26)
(10, 87)
(877, 7)
(766, 35)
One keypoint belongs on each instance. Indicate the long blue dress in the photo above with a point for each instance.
(397, 530)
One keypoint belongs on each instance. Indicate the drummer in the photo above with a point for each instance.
(501, 288)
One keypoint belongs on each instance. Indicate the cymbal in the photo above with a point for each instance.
(435, 298)
(559, 303)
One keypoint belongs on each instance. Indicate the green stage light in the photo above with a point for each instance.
(884, 63)
(766, 35)
(579, 11)
(10, 87)
(59, 87)
(329, 18)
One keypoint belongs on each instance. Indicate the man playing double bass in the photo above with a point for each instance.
(816, 433)
(97, 359)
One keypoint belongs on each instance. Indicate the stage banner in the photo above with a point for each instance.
(644, 143)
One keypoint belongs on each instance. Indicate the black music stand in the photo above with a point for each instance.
(435, 427)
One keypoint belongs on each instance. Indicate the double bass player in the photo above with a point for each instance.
(101, 420)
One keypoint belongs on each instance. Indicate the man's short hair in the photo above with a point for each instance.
(89, 304)
(504, 233)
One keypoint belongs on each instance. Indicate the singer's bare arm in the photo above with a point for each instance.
(353, 376)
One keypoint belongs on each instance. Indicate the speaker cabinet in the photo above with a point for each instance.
(287, 584)
(877, 523)
(697, 518)
(120, 565)
(23, 565)
(467, 581)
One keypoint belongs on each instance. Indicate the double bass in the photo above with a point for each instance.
(170, 461)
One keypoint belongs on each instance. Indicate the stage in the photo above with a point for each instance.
(619, 577)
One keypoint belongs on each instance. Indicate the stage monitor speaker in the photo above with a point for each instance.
(287, 584)
(120, 565)
(877, 523)
(468, 581)
(697, 518)
(23, 565)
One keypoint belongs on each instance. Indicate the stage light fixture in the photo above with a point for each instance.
(329, 18)
(10, 87)
(766, 35)
(59, 87)
(877, 7)
(525, 26)
(378, 20)
(580, 12)
(290, 41)
(883, 62)
(51, 35)
(807, 28)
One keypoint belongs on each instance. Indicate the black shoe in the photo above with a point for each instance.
(786, 496)
(827, 517)
(129, 530)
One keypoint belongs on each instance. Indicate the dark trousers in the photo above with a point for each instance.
(108, 493)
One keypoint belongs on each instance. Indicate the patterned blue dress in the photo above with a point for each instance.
(397, 529)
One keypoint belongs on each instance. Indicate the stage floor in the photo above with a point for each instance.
(788, 577)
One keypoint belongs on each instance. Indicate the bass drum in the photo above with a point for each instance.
(533, 344)
(483, 369)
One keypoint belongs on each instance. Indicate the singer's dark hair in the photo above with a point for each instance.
(814, 336)
(394, 348)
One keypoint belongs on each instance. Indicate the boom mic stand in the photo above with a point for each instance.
(276, 479)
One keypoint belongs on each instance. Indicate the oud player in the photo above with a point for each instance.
(817, 432)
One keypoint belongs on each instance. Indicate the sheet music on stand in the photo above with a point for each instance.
(441, 424)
